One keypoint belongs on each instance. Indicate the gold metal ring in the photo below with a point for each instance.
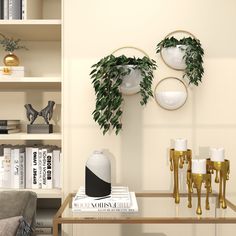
(135, 48)
(167, 36)
(174, 78)
(131, 47)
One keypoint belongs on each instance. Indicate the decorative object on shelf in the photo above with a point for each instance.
(199, 172)
(10, 45)
(12, 71)
(217, 163)
(178, 156)
(195, 180)
(98, 175)
(183, 54)
(110, 78)
(171, 99)
(32, 115)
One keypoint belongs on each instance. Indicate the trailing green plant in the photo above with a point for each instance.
(193, 56)
(107, 77)
(11, 44)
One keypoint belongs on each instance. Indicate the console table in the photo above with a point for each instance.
(154, 208)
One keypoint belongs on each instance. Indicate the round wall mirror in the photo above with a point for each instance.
(171, 93)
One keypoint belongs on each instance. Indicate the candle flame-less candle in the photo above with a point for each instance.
(217, 154)
(180, 144)
(199, 166)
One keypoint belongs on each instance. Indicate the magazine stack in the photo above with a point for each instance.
(120, 200)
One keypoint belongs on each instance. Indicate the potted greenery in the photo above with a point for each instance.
(191, 52)
(107, 76)
(10, 45)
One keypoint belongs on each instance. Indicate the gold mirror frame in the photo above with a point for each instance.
(168, 35)
(174, 78)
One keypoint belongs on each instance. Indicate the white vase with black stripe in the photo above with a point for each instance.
(98, 175)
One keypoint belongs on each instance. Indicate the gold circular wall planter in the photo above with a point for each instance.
(173, 57)
(171, 99)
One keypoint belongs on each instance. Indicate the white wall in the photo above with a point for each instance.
(92, 30)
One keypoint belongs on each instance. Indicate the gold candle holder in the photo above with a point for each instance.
(222, 170)
(177, 160)
(196, 181)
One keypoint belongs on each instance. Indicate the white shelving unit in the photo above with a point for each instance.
(41, 33)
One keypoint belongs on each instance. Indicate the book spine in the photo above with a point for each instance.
(49, 170)
(28, 165)
(127, 210)
(56, 169)
(35, 184)
(14, 9)
(7, 168)
(1, 10)
(16, 172)
(40, 168)
(2, 160)
(44, 168)
(5, 9)
(23, 10)
(43, 230)
(22, 170)
(5, 127)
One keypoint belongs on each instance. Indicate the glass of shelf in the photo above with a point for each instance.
(154, 208)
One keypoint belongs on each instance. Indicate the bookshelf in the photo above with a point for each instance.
(41, 32)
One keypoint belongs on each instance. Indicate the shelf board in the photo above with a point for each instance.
(25, 136)
(35, 30)
(46, 83)
(31, 80)
(41, 193)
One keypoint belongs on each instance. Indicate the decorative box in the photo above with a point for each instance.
(12, 71)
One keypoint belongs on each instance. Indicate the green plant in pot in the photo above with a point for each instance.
(192, 56)
(107, 77)
(10, 45)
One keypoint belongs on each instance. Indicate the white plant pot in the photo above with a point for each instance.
(173, 57)
(171, 100)
(131, 83)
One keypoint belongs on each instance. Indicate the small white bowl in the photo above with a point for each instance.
(171, 100)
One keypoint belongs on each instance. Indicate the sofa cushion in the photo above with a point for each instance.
(9, 226)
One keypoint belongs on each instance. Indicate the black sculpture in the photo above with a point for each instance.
(31, 113)
(46, 112)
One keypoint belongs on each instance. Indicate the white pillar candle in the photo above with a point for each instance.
(180, 144)
(199, 166)
(217, 154)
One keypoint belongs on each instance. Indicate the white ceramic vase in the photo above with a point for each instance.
(98, 175)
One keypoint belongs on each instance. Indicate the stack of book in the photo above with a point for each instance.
(36, 167)
(44, 221)
(9, 126)
(120, 200)
(12, 9)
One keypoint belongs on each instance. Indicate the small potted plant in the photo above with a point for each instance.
(107, 77)
(10, 45)
(187, 56)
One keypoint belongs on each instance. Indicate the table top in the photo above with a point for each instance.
(155, 207)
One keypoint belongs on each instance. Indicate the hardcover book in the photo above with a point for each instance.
(9, 131)
(106, 208)
(119, 198)
(9, 122)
